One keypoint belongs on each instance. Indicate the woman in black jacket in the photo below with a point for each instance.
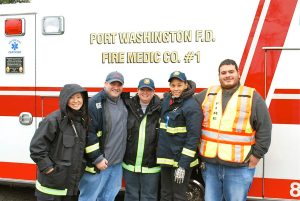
(178, 137)
(57, 146)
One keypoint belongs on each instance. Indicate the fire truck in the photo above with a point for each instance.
(48, 43)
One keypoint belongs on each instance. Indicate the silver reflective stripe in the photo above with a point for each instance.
(202, 146)
(210, 134)
(227, 137)
(242, 115)
(237, 154)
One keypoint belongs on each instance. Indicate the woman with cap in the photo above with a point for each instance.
(58, 144)
(141, 172)
(178, 137)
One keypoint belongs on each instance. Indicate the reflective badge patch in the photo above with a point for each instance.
(98, 105)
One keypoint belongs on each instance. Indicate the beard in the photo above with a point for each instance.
(229, 86)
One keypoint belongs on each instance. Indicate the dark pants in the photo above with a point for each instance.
(45, 197)
(141, 186)
(170, 190)
(60, 198)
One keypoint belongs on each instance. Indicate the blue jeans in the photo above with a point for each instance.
(141, 186)
(227, 183)
(103, 186)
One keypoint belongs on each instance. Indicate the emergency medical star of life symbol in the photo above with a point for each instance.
(14, 46)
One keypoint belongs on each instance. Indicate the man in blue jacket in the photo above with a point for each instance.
(106, 142)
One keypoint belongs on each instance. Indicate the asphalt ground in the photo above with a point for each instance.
(25, 193)
(21, 193)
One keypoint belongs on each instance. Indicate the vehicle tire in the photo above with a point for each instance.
(195, 191)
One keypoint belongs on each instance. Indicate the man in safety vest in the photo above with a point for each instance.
(236, 133)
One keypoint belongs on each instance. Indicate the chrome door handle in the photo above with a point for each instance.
(25, 118)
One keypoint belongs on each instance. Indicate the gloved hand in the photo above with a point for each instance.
(179, 175)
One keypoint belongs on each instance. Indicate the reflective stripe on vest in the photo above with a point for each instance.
(172, 162)
(228, 135)
(140, 169)
(208, 104)
(173, 130)
(225, 137)
(50, 191)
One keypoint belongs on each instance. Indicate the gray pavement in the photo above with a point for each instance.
(19, 193)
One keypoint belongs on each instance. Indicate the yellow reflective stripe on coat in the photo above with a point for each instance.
(92, 148)
(167, 161)
(173, 130)
(188, 152)
(50, 191)
(90, 169)
(132, 168)
(99, 134)
(194, 163)
(141, 144)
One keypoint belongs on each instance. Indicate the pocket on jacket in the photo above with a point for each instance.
(58, 178)
(173, 115)
(175, 118)
(68, 142)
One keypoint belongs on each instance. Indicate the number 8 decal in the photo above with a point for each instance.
(295, 189)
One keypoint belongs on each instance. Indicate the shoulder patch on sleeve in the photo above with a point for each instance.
(98, 105)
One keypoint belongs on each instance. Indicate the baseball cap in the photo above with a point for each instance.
(115, 76)
(178, 75)
(146, 83)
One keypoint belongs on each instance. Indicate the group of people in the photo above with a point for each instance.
(153, 143)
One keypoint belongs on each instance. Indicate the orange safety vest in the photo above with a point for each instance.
(227, 135)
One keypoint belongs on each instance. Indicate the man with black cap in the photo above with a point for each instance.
(106, 142)
(141, 173)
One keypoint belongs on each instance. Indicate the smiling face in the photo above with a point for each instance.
(145, 94)
(76, 101)
(177, 87)
(229, 76)
(113, 89)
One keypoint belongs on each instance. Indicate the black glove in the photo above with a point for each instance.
(179, 175)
